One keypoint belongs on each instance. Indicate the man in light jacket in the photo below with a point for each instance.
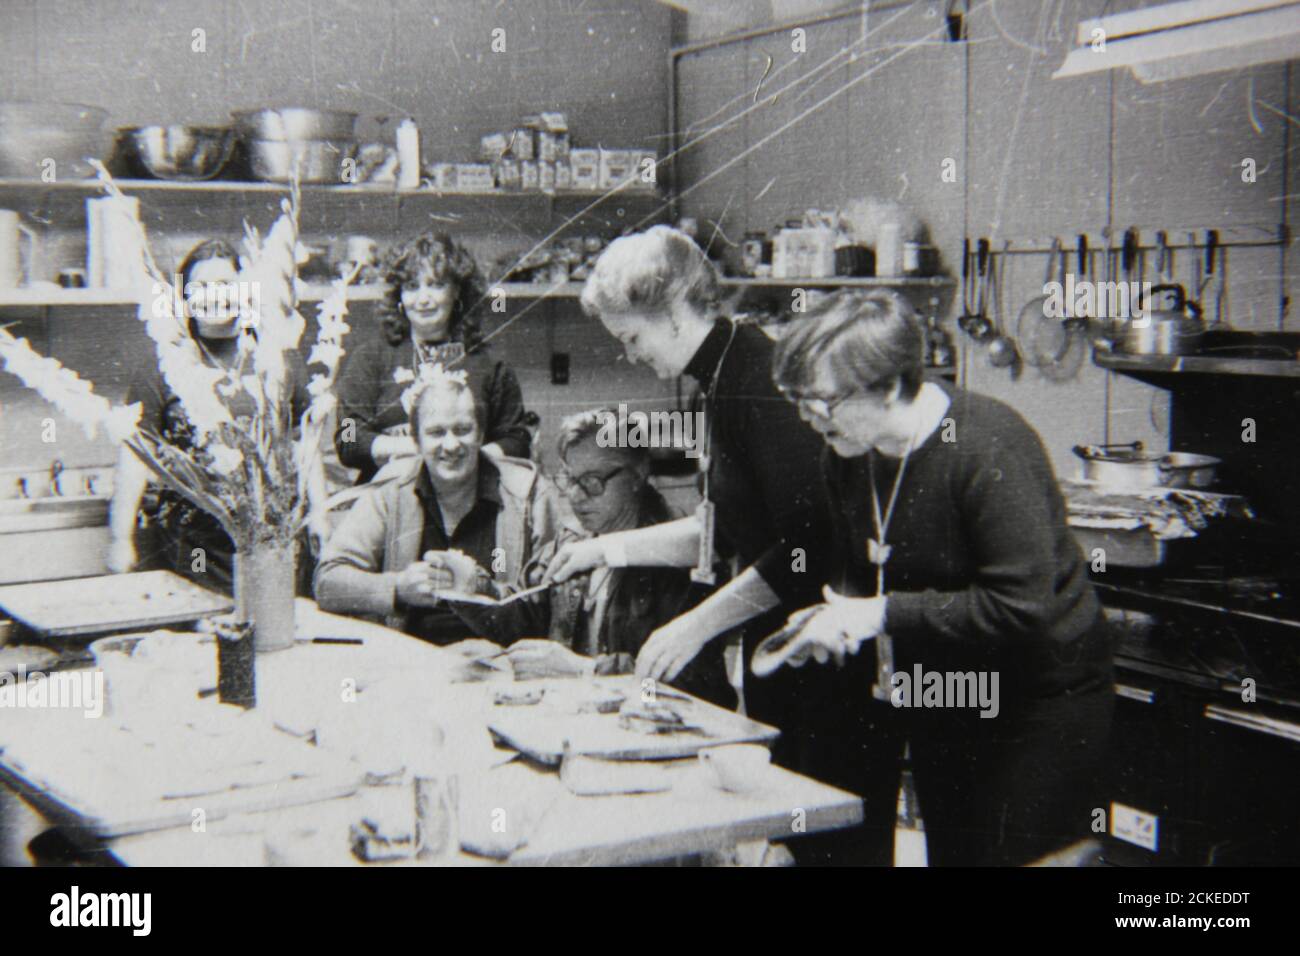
(450, 520)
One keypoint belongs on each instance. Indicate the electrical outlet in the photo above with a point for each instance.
(1134, 826)
(559, 368)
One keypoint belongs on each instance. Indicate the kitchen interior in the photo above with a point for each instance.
(965, 153)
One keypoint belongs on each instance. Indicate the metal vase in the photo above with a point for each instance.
(264, 586)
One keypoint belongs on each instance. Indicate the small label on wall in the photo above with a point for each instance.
(1134, 826)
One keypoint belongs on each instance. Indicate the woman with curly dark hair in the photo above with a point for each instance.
(429, 317)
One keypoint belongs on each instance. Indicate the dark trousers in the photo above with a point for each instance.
(999, 791)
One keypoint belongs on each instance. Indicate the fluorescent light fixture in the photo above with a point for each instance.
(1188, 38)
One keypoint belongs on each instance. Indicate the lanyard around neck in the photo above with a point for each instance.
(710, 411)
(877, 550)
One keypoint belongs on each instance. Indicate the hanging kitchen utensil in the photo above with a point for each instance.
(1075, 327)
(967, 306)
(979, 327)
(1217, 279)
(1079, 323)
(1001, 347)
(1040, 336)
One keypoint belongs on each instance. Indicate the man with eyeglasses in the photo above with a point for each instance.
(598, 621)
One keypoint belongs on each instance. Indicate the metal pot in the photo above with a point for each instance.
(1182, 469)
(317, 161)
(1130, 467)
(1175, 330)
(295, 124)
(188, 153)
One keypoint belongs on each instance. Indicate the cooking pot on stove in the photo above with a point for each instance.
(1172, 328)
(1131, 466)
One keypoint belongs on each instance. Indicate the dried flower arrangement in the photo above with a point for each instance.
(262, 477)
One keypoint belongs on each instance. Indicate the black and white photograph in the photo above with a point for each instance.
(699, 434)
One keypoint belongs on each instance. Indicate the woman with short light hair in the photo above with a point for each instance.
(952, 557)
(659, 295)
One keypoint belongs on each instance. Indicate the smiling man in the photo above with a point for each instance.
(455, 520)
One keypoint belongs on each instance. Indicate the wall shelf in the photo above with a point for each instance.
(226, 202)
(40, 298)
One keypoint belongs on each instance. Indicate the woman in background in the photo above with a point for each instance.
(429, 317)
(187, 540)
(947, 499)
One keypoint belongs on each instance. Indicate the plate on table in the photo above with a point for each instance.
(674, 725)
(110, 602)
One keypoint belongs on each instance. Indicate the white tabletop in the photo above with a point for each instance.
(396, 701)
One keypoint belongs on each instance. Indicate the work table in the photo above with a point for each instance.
(379, 705)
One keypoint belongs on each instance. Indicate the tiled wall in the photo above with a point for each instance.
(601, 62)
(1035, 158)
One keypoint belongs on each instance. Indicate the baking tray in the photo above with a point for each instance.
(110, 602)
(542, 731)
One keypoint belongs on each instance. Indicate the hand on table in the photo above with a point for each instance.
(536, 657)
(575, 557)
(669, 649)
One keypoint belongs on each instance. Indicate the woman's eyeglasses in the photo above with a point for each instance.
(823, 406)
(591, 483)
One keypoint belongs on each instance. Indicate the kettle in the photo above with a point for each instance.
(1174, 329)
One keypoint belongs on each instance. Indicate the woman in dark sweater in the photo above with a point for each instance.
(434, 287)
(984, 650)
(659, 296)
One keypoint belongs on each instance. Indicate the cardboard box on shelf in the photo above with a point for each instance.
(474, 177)
(442, 176)
(803, 253)
(616, 167)
(584, 166)
(529, 175)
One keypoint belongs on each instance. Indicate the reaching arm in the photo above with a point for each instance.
(350, 578)
(676, 644)
(673, 544)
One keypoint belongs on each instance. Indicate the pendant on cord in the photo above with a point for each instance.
(878, 553)
(702, 573)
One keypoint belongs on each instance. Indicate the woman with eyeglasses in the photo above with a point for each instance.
(960, 611)
(660, 297)
(599, 620)
(430, 316)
